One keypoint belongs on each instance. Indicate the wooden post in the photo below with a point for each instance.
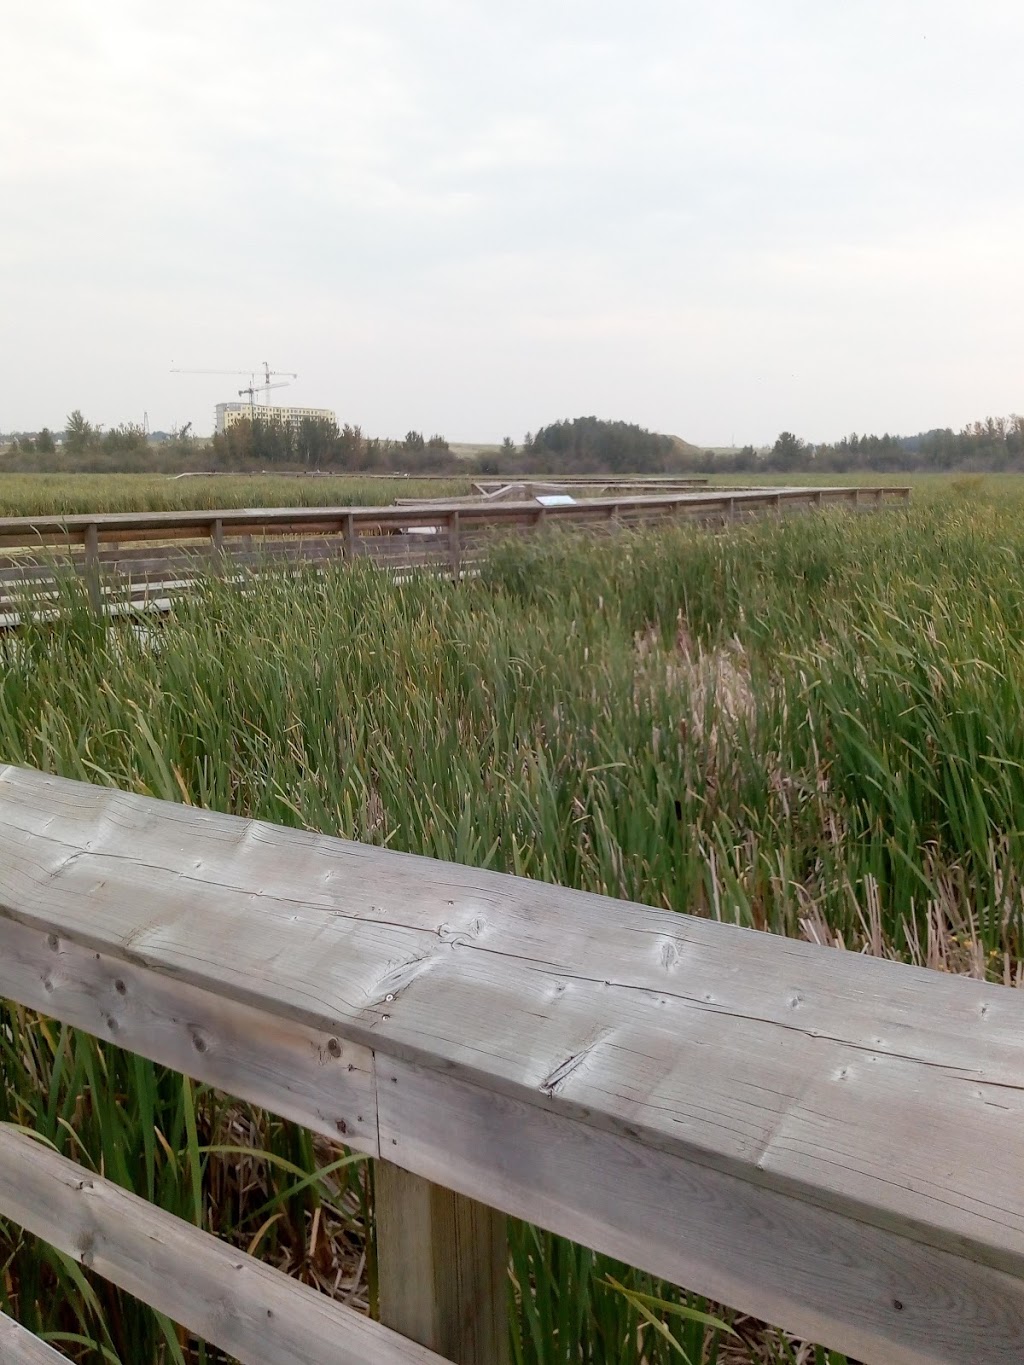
(350, 536)
(442, 1267)
(92, 567)
(217, 543)
(777, 504)
(454, 546)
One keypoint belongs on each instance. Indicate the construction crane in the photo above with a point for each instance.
(253, 388)
(252, 391)
(177, 369)
(267, 386)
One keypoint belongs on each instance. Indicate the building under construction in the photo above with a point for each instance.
(230, 413)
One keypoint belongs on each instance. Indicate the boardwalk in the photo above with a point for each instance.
(144, 559)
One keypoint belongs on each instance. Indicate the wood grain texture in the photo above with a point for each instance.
(315, 1078)
(876, 1105)
(18, 1347)
(443, 1268)
(249, 1309)
(883, 1299)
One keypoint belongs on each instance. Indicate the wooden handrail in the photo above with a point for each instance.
(128, 560)
(828, 1141)
(225, 1296)
(235, 519)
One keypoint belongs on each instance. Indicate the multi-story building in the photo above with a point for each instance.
(230, 413)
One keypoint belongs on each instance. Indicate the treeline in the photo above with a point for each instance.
(318, 443)
(580, 445)
(83, 447)
(995, 445)
(588, 445)
(248, 445)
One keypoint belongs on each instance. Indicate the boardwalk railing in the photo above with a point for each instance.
(830, 1142)
(139, 556)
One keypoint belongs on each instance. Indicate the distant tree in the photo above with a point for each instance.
(414, 440)
(273, 442)
(746, 459)
(234, 446)
(437, 442)
(350, 449)
(508, 446)
(373, 455)
(80, 434)
(45, 442)
(316, 441)
(788, 452)
(592, 444)
(128, 437)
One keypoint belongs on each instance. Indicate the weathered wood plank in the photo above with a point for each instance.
(443, 1268)
(880, 1298)
(318, 1079)
(223, 1295)
(454, 547)
(19, 1347)
(92, 567)
(450, 943)
(784, 1071)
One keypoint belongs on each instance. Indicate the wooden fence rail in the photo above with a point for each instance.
(134, 558)
(223, 1295)
(19, 1347)
(830, 1142)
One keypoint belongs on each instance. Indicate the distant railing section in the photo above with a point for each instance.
(136, 557)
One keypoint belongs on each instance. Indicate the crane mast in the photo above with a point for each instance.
(285, 376)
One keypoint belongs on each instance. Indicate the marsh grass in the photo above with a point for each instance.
(813, 727)
(23, 495)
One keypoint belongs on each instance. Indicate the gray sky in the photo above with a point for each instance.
(717, 219)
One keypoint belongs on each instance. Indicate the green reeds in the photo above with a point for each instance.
(26, 495)
(813, 727)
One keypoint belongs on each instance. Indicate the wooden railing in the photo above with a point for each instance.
(139, 557)
(830, 1142)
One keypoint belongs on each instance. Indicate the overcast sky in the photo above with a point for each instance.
(717, 218)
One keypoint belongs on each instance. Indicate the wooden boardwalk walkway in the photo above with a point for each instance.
(143, 559)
